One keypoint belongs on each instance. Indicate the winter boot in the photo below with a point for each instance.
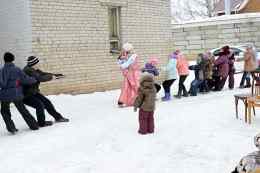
(167, 97)
(179, 94)
(185, 93)
(62, 120)
(13, 131)
(46, 123)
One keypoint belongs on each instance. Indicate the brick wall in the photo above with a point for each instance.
(197, 37)
(15, 29)
(72, 37)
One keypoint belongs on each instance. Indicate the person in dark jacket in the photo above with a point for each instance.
(208, 60)
(231, 72)
(145, 101)
(11, 79)
(35, 99)
(199, 76)
(222, 64)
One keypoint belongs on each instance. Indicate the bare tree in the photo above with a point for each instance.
(192, 9)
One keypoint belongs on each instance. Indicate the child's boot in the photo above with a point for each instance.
(179, 94)
(167, 97)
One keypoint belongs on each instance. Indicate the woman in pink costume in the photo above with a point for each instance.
(129, 66)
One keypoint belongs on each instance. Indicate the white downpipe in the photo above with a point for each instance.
(227, 7)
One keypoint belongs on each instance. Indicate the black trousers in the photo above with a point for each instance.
(182, 88)
(211, 83)
(167, 85)
(40, 103)
(6, 114)
(231, 80)
(220, 83)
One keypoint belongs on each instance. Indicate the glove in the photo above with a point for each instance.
(58, 76)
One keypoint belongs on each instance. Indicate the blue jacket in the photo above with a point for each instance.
(171, 69)
(11, 80)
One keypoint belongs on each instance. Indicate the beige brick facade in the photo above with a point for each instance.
(197, 37)
(72, 37)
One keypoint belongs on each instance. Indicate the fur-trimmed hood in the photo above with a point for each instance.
(147, 82)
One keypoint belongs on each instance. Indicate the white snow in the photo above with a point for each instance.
(195, 134)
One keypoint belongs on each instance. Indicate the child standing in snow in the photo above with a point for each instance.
(183, 71)
(151, 68)
(145, 101)
(171, 72)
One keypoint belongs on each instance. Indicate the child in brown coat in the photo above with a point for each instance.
(146, 102)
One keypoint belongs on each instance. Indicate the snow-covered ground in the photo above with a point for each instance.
(195, 134)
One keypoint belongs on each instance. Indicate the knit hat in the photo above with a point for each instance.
(177, 51)
(153, 60)
(32, 60)
(128, 47)
(199, 58)
(225, 50)
(173, 55)
(8, 57)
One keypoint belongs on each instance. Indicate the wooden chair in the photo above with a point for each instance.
(255, 91)
(254, 101)
(244, 98)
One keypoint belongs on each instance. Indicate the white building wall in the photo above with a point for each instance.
(15, 29)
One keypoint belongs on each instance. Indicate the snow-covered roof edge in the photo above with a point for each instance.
(225, 19)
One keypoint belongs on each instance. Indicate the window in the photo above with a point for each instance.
(114, 29)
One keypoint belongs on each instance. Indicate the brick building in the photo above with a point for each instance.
(81, 38)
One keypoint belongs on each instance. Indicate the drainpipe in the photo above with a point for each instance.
(227, 7)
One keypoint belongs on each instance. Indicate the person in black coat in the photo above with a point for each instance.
(11, 79)
(231, 79)
(198, 82)
(35, 99)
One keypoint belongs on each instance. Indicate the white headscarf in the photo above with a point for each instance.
(128, 47)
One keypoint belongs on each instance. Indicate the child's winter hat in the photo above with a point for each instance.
(128, 47)
(153, 60)
(174, 55)
(32, 60)
(177, 51)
